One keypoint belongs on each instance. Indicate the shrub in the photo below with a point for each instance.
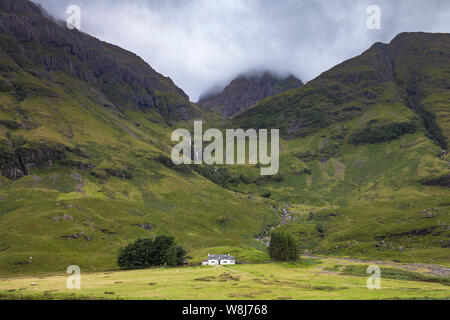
(320, 229)
(279, 178)
(266, 194)
(246, 179)
(217, 175)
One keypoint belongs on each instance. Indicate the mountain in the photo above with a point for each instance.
(34, 43)
(36, 51)
(85, 155)
(246, 91)
(367, 142)
(410, 72)
(85, 163)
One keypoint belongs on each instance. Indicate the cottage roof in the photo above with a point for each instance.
(220, 257)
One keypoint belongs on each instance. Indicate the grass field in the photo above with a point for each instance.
(309, 279)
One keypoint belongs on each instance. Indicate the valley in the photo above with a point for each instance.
(85, 162)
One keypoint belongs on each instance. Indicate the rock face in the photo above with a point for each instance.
(32, 40)
(247, 90)
(17, 164)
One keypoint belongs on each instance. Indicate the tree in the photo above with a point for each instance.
(136, 255)
(181, 255)
(144, 253)
(283, 247)
(170, 256)
(161, 245)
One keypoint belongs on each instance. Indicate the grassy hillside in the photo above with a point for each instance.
(84, 144)
(95, 181)
(82, 173)
(367, 152)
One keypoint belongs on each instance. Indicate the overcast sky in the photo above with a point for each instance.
(201, 44)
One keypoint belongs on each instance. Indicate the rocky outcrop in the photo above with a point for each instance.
(247, 90)
(442, 180)
(17, 164)
(18, 161)
(145, 226)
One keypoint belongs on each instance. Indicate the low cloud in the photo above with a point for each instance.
(202, 44)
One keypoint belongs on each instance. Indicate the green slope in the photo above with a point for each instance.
(84, 139)
(81, 169)
(365, 146)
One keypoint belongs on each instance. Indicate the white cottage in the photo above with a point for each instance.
(216, 260)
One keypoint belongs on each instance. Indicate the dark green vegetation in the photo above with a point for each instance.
(374, 133)
(85, 156)
(145, 253)
(283, 247)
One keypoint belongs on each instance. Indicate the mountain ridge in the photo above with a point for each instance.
(126, 80)
(377, 68)
(247, 90)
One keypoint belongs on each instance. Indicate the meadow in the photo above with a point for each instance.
(309, 279)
